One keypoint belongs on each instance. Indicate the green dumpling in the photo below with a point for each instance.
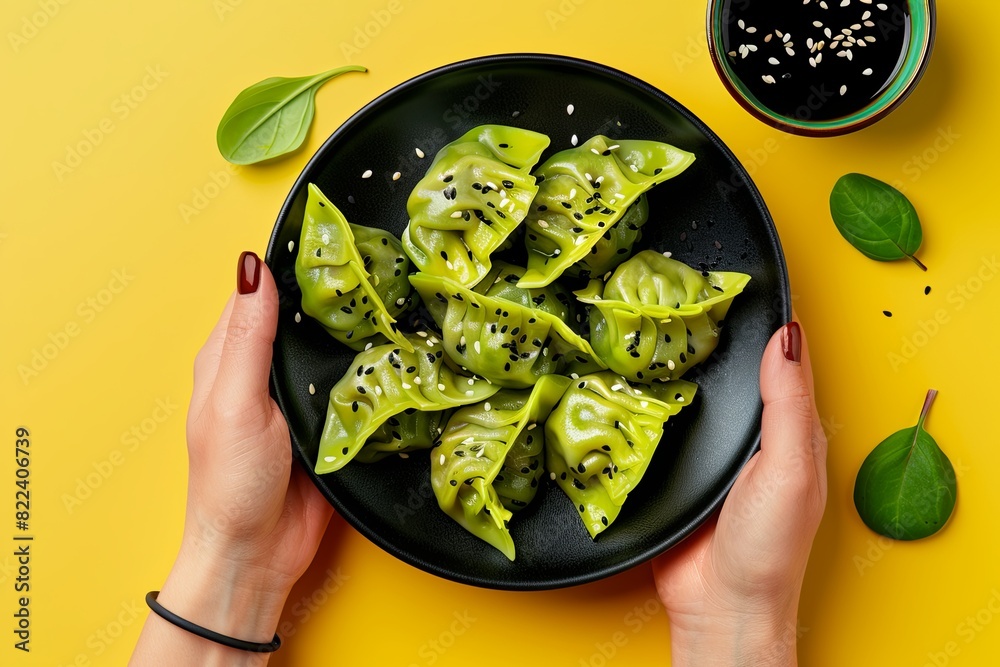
(656, 317)
(409, 431)
(499, 339)
(600, 439)
(475, 193)
(583, 192)
(352, 278)
(502, 280)
(615, 245)
(488, 462)
(384, 381)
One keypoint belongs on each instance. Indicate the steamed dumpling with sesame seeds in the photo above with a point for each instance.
(487, 463)
(583, 192)
(502, 280)
(474, 195)
(600, 439)
(615, 245)
(657, 317)
(408, 431)
(385, 380)
(499, 339)
(352, 278)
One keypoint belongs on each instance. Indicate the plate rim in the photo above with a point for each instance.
(305, 177)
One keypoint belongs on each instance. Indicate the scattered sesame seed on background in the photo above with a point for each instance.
(367, 174)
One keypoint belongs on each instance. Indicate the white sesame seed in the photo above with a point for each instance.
(487, 406)
(845, 3)
(588, 176)
(668, 254)
(572, 193)
(312, 388)
(504, 202)
(441, 460)
(545, 351)
(870, 24)
(644, 404)
(600, 179)
(869, 38)
(492, 185)
(450, 265)
(367, 174)
(456, 214)
(291, 246)
(569, 109)
(824, 5)
(420, 153)
(856, 26)
(634, 168)
(417, 380)
(472, 381)
(404, 455)
(510, 209)
(422, 334)
(368, 346)
(406, 386)
(574, 376)
(828, 33)
(396, 176)
(862, 43)
(670, 364)
(766, 40)
(469, 392)
(595, 151)
(441, 387)
(480, 452)
(378, 390)
(789, 51)
(376, 280)
(882, 6)
(329, 459)
(867, 15)
(850, 55)
(543, 224)
(552, 476)
(741, 24)
(477, 346)
(751, 30)
(773, 61)
(616, 387)
(615, 147)
(843, 90)
(752, 47)
(326, 238)
(809, 43)
(818, 24)
(812, 62)
(573, 140)
(298, 317)
(680, 399)
(768, 78)
(400, 301)
(532, 426)
(787, 37)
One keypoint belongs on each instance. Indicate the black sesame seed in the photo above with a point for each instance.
(453, 483)
(604, 520)
(566, 204)
(447, 179)
(345, 450)
(508, 184)
(503, 146)
(346, 310)
(927, 290)
(887, 313)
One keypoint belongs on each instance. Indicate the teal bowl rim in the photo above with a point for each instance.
(921, 43)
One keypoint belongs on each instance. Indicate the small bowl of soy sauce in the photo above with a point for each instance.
(820, 67)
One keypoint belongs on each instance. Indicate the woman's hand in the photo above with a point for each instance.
(731, 590)
(253, 523)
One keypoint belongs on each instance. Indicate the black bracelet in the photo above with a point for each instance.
(205, 633)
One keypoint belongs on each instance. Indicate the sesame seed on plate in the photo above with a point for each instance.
(291, 246)
(406, 386)
(441, 460)
(573, 140)
(298, 317)
(367, 174)
(396, 176)
(329, 459)
(420, 153)
(569, 109)
(312, 388)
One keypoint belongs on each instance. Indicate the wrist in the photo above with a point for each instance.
(223, 595)
(760, 640)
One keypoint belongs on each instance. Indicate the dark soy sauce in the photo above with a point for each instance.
(807, 71)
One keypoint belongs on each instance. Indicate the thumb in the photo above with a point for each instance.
(787, 426)
(246, 352)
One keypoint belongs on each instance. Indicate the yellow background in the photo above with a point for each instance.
(62, 235)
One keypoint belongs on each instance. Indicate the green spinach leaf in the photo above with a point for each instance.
(272, 117)
(906, 487)
(876, 218)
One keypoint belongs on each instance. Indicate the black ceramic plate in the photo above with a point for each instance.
(710, 214)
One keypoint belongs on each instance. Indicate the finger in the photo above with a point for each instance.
(806, 365)
(241, 383)
(206, 363)
(787, 426)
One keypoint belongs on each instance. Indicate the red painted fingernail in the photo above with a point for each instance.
(248, 273)
(791, 341)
